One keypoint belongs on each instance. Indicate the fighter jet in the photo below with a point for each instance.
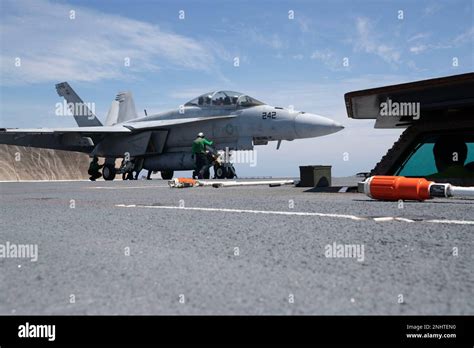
(162, 142)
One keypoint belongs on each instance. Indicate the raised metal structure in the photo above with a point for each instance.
(445, 109)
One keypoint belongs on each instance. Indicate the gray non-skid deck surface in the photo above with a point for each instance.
(173, 252)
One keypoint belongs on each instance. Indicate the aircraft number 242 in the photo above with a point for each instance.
(269, 115)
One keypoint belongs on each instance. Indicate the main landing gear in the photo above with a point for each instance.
(167, 174)
(109, 171)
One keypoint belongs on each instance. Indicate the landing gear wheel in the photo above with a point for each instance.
(167, 174)
(230, 173)
(221, 173)
(108, 172)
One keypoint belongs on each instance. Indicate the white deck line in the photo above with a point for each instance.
(295, 213)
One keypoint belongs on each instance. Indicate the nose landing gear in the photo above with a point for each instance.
(224, 171)
(223, 167)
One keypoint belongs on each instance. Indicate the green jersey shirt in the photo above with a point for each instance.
(199, 145)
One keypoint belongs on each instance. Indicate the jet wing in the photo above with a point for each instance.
(122, 128)
(84, 139)
(143, 124)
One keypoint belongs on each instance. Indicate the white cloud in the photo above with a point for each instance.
(328, 58)
(323, 55)
(91, 47)
(367, 41)
(467, 36)
(418, 49)
(419, 36)
(461, 39)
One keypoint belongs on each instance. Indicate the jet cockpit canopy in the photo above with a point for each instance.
(226, 99)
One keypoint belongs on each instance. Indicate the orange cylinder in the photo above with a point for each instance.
(187, 181)
(393, 188)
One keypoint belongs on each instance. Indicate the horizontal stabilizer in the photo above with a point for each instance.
(82, 130)
(82, 139)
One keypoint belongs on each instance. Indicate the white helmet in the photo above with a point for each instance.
(201, 135)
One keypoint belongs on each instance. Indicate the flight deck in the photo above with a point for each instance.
(139, 247)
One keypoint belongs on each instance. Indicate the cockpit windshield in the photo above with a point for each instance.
(226, 99)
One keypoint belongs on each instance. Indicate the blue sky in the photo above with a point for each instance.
(283, 61)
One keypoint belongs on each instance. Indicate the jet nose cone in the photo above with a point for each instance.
(338, 126)
(310, 125)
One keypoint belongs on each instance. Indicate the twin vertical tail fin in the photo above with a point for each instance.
(121, 110)
(126, 108)
(81, 111)
(112, 115)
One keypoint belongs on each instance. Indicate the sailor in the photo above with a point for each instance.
(127, 167)
(450, 153)
(200, 156)
(138, 167)
(94, 169)
(148, 176)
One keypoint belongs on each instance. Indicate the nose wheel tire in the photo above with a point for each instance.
(225, 172)
(221, 172)
(108, 172)
(167, 174)
(230, 173)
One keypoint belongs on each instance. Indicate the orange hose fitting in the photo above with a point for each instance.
(393, 188)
